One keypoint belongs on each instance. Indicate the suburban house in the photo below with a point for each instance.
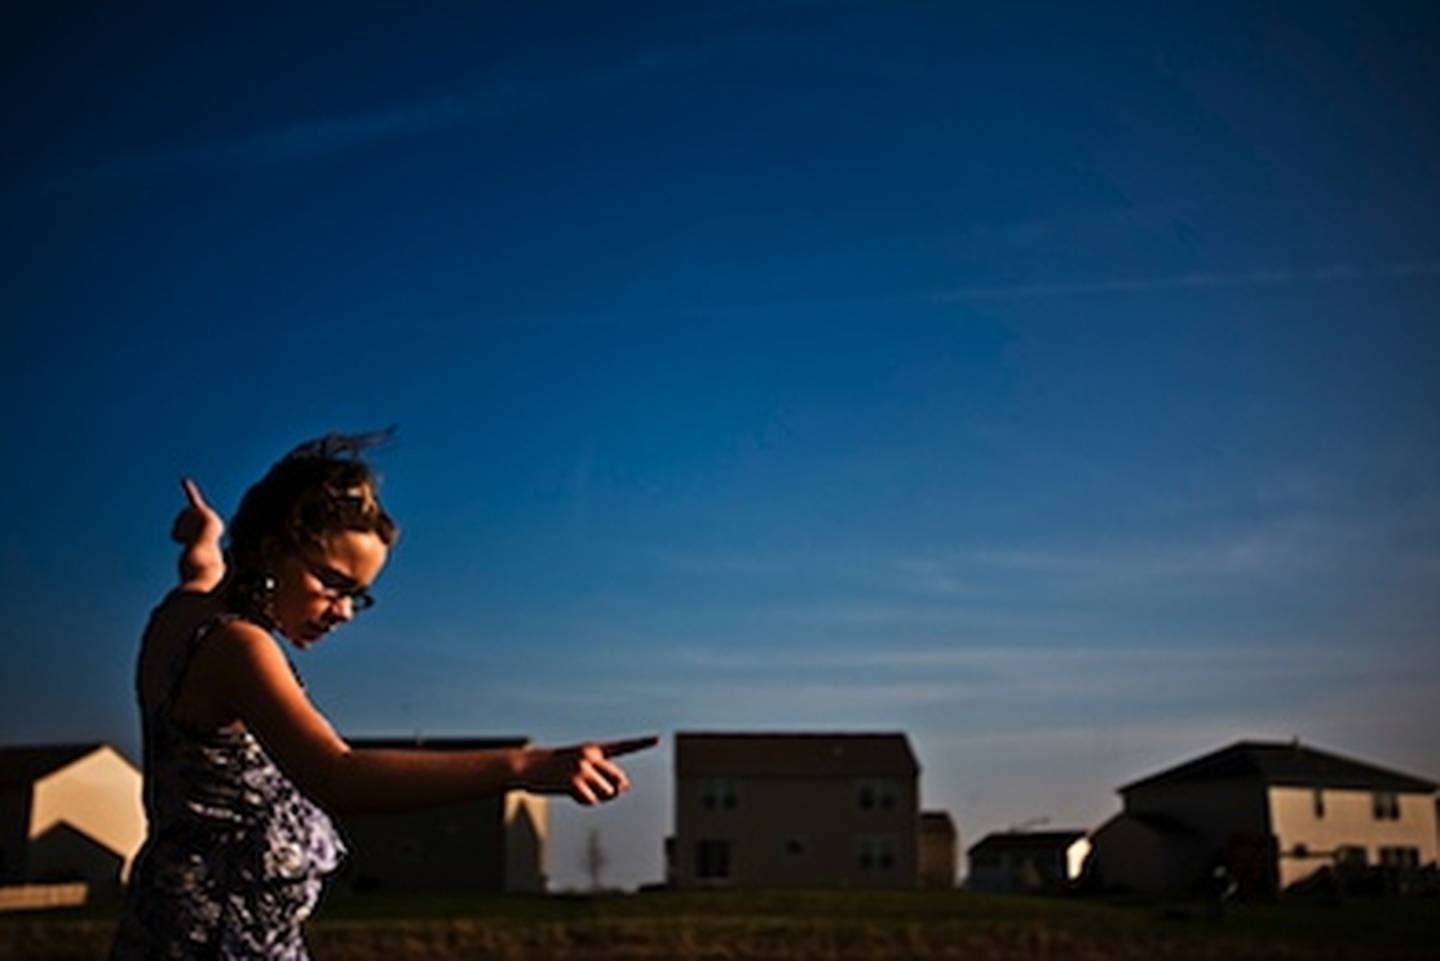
(68, 812)
(1270, 813)
(1027, 861)
(495, 844)
(795, 810)
(938, 840)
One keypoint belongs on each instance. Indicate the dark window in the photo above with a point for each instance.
(1350, 856)
(1319, 802)
(712, 859)
(1386, 806)
(1302, 850)
(875, 853)
(718, 795)
(881, 795)
(796, 844)
(1400, 857)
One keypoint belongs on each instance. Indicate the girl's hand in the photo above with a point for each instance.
(583, 771)
(197, 522)
(198, 528)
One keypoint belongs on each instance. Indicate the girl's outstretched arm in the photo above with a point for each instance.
(198, 528)
(256, 682)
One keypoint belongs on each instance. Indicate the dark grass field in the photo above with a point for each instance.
(799, 926)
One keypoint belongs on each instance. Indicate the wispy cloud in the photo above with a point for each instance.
(1193, 281)
(510, 89)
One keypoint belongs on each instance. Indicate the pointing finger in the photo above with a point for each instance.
(192, 493)
(627, 746)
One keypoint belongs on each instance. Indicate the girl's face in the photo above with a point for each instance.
(317, 590)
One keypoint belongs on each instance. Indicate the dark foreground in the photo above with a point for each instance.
(807, 925)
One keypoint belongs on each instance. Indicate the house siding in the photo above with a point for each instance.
(457, 846)
(1218, 811)
(799, 832)
(1308, 842)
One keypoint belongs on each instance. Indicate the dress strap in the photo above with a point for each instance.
(182, 663)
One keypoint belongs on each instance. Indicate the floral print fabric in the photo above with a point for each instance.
(235, 855)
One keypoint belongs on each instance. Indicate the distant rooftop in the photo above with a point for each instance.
(936, 822)
(26, 764)
(785, 754)
(1026, 841)
(1289, 764)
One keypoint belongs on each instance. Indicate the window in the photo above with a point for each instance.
(718, 794)
(1301, 850)
(875, 852)
(877, 795)
(1402, 858)
(1319, 803)
(712, 860)
(1350, 856)
(797, 844)
(1386, 806)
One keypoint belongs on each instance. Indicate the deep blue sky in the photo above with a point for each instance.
(1056, 386)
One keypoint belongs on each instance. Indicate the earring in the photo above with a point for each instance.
(259, 598)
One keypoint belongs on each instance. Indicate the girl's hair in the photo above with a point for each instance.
(320, 488)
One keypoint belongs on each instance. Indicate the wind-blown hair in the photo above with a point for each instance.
(320, 488)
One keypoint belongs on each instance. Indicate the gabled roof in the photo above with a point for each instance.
(21, 765)
(794, 755)
(1289, 764)
(1026, 841)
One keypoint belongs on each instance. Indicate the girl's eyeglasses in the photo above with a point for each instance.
(335, 585)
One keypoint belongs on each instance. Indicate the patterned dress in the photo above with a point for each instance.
(235, 855)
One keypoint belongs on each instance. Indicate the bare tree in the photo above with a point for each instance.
(595, 858)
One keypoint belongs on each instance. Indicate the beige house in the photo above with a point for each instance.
(1271, 813)
(795, 810)
(68, 812)
(1027, 861)
(495, 844)
(938, 840)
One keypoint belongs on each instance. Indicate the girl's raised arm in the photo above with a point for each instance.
(198, 528)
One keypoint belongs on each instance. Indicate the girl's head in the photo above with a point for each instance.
(310, 538)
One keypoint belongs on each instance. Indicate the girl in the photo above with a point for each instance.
(242, 772)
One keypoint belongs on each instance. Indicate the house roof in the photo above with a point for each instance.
(1026, 841)
(26, 764)
(936, 822)
(784, 754)
(437, 743)
(1285, 764)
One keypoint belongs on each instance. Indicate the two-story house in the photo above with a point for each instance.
(1272, 813)
(795, 810)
